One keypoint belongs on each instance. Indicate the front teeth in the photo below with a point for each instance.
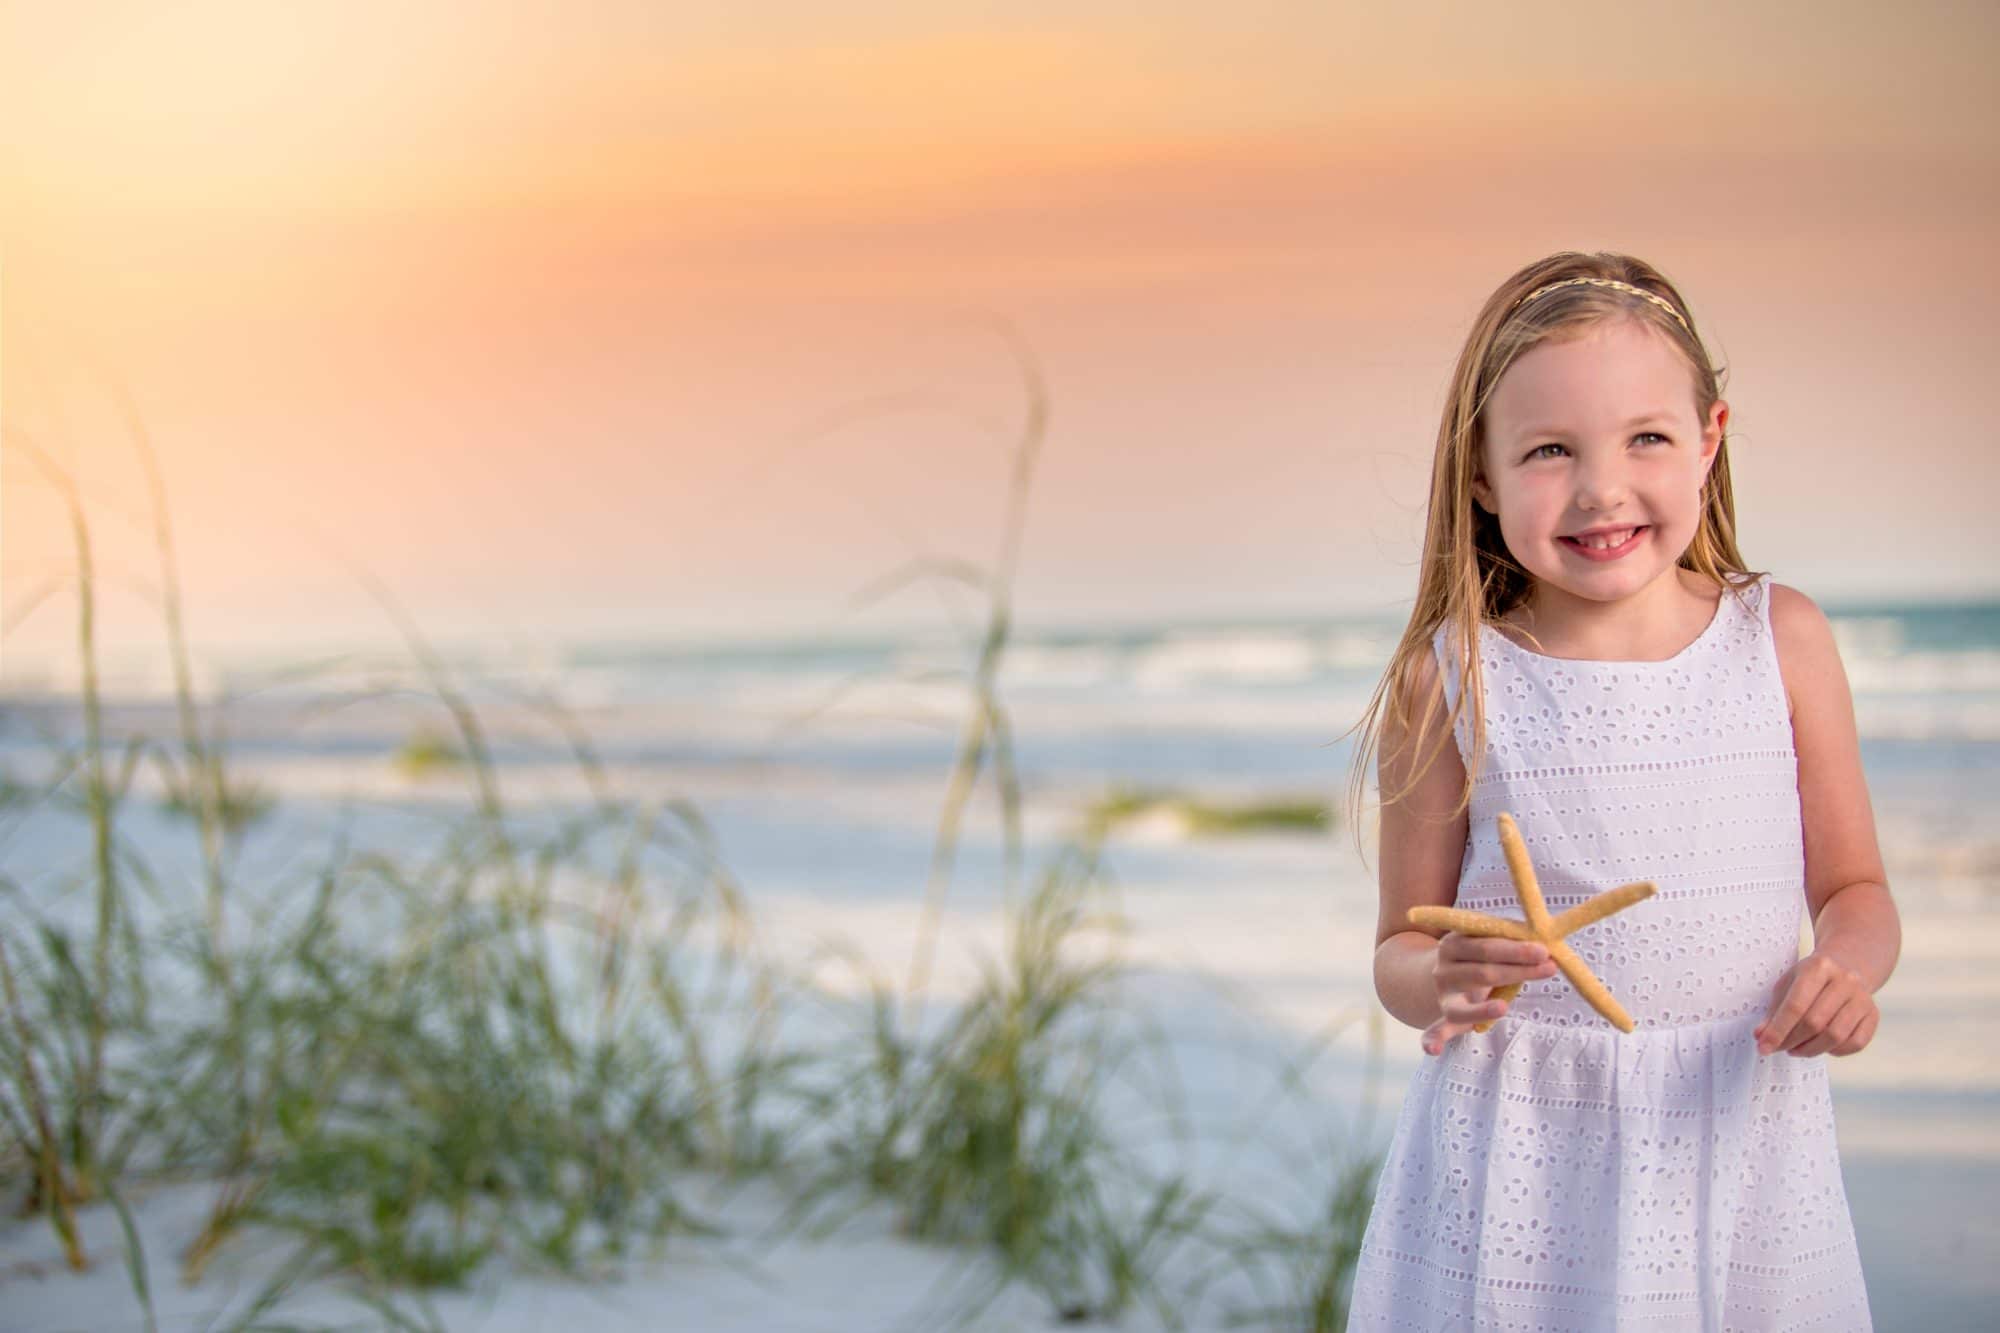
(1607, 540)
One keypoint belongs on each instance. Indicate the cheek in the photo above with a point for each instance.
(1532, 502)
(1675, 493)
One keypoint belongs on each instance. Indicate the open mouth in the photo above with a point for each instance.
(1606, 545)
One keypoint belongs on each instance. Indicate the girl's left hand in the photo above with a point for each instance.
(1824, 1006)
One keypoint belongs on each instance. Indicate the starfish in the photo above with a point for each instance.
(1540, 926)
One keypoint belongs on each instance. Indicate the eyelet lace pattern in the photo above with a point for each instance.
(1553, 1173)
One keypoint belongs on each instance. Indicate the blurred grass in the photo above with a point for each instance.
(1197, 817)
(237, 807)
(523, 1044)
(427, 754)
(992, 1130)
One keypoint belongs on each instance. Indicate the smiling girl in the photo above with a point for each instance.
(1589, 653)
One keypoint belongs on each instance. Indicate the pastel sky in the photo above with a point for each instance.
(633, 319)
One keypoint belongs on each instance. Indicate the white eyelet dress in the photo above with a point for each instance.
(1554, 1173)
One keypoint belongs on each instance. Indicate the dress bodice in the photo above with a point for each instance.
(1680, 772)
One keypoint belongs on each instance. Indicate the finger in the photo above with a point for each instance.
(1439, 1035)
(1496, 1005)
(1818, 1044)
(1491, 976)
(1819, 988)
(1776, 1034)
(1456, 950)
(1466, 1009)
(1506, 960)
(1768, 1036)
(1460, 1015)
(1863, 1034)
(1848, 1022)
(1818, 1020)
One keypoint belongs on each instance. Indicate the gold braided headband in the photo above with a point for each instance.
(1654, 297)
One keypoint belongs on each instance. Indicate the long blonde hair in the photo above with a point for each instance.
(1467, 577)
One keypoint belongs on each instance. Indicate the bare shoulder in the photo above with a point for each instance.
(1790, 607)
(1413, 705)
(1798, 623)
(1808, 656)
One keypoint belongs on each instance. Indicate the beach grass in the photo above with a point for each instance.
(1196, 816)
(426, 754)
(992, 1130)
(237, 807)
(520, 1044)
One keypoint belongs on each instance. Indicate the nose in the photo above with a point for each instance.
(1601, 483)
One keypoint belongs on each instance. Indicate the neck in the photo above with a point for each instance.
(1655, 622)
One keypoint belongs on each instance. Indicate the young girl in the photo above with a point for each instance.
(1589, 654)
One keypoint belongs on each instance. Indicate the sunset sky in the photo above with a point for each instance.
(556, 317)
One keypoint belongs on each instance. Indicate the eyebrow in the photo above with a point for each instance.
(1643, 419)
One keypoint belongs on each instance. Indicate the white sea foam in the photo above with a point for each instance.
(1179, 662)
(1358, 650)
(1921, 719)
(1970, 671)
(1061, 666)
(1867, 636)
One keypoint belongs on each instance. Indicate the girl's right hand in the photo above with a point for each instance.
(1468, 969)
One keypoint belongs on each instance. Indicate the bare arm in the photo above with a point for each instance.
(1853, 917)
(1422, 847)
(1824, 1004)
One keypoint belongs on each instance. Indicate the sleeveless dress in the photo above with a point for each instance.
(1553, 1173)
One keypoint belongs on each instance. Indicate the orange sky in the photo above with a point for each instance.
(527, 308)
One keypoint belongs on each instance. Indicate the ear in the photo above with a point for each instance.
(1482, 494)
(1711, 435)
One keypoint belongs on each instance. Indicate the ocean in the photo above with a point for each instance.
(820, 766)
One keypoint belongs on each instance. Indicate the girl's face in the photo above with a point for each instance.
(1594, 458)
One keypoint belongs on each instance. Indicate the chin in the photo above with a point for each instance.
(1623, 583)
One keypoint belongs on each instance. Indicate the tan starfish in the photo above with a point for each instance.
(1540, 926)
